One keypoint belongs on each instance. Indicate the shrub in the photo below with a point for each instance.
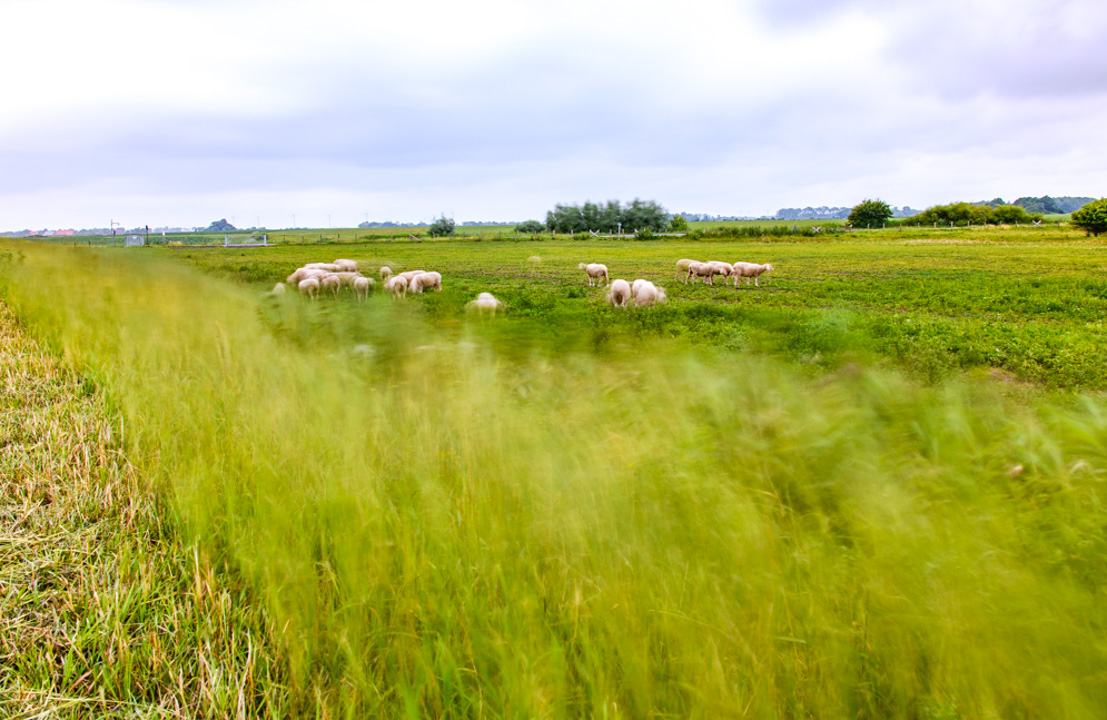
(441, 226)
(1092, 218)
(870, 213)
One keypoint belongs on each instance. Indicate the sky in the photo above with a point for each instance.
(334, 112)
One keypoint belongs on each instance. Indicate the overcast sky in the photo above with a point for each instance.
(331, 112)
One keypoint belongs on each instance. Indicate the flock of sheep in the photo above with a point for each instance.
(642, 292)
(313, 278)
(693, 269)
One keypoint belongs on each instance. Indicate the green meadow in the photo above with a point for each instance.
(872, 487)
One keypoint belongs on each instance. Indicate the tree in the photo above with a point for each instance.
(530, 227)
(1011, 214)
(441, 226)
(221, 226)
(1092, 218)
(678, 224)
(870, 213)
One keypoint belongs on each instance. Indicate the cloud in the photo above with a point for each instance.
(500, 109)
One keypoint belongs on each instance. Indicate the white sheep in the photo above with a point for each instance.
(682, 267)
(619, 293)
(595, 272)
(409, 274)
(329, 267)
(750, 270)
(309, 286)
(705, 270)
(723, 268)
(362, 286)
(346, 265)
(278, 289)
(649, 294)
(346, 279)
(485, 304)
(534, 260)
(397, 285)
(330, 282)
(425, 280)
(634, 286)
(303, 273)
(386, 272)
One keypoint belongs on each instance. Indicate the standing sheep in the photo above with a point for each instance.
(682, 268)
(722, 268)
(425, 280)
(750, 270)
(309, 286)
(619, 293)
(595, 272)
(331, 282)
(362, 286)
(346, 265)
(386, 272)
(705, 270)
(397, 285)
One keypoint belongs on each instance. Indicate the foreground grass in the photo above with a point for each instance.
(103, 613)
(440, 527)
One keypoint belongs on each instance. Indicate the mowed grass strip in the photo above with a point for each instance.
(103, 612)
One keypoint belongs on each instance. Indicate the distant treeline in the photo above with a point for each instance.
(610, 217)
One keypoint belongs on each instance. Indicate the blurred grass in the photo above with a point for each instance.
(442, 524)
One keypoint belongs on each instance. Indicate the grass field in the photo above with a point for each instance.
(871, 488)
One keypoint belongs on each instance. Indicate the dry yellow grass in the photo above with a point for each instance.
(102, 612)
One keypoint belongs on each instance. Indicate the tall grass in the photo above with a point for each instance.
(439, 529)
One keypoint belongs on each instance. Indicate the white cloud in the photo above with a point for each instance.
(499, 108)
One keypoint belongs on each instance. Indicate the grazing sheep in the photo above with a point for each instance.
(330, 282)
(397, 285)
(595, 272)
(278, 289)
(362, 286)
(634, 286)
(682, 268)
(425, 280)
(309, 286)
(619, 293)
(346, 279)
(409, 274)
(750, 270)
(723, 268)
(304, 273)
(704, 270)
(346, 265)
(329, 267)
(485, 304)
(649, 294)
(534, 260)
(386, 272)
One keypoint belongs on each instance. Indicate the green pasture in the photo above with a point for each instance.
(872, 487)
(1029, 304)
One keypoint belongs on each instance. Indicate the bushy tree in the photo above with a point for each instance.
(530, 227)
(221, 226)
(1010, 214)
(441, 226)
(964, 213)
(678, 224)
(1092, 218)
(607, 218)
(870, 213)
